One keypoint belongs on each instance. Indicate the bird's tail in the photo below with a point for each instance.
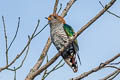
(70, 58)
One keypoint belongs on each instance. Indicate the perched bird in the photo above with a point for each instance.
(60, 33)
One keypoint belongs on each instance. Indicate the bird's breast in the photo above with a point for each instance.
(59, 37)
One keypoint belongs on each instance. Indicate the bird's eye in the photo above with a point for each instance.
(50, 16)
(55, 17)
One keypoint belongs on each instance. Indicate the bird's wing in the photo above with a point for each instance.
(70, 32)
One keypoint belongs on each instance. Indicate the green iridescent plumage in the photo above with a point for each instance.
(70, 32)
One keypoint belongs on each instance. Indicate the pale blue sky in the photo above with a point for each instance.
(97, 44)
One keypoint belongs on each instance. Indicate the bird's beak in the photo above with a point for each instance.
(48, 18)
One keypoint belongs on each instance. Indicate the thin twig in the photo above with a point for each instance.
(33, 35)
(85, 74)
(114, 76)
(24, 58)
(43, 77)
(60, 8)
(55, 6)
(14, 74)
(60, 66)
(109, 11)
(110, 75)
(29, 41)
(15, 69)
(15, 34)
(112, 67)
(40, 30)
(114, 63)
(56, 67)
(41, 58)
(47, 58)
(69, 4)
(6, 42)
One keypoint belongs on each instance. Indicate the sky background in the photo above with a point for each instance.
(100, 42)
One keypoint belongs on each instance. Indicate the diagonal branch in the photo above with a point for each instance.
(114, 76)
(60, 8)
(111, 74)
(85, 74)
(41, 59)
(28, 43)
(69, 4)
(15, 34)
(109, 11)
(16, 68)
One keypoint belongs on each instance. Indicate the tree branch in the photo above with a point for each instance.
(109, 11)
(15, 34)
(14, 74)
(28, 43)
(69, 4)
(15, 69)
(111, 74)
(6, 42)
(41, 59)
(55, 6)
(60, 8)
(85, 74)
(56, 67)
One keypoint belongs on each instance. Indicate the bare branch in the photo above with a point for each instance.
(42, 56)
(85, 74)
(115, 63)
(109, 11)
(15, 69)
(29, 41)
(111, 74)
(15, 34)
(114, 75)
(56, 67)
(55, 6)
(69, 4)
(6, 42)
(112, 67)
(14, 74)
(40, 30)
(41, 59)
(23, 58)
(43, 77)
(60, 8)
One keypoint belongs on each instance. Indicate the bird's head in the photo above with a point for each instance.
(54, 18)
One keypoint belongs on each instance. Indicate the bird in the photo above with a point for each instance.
(60, 33)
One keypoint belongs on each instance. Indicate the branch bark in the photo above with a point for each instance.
(85, 74)
(111, 74)
(69, 4)
(55, 6)
(41, 59)
(28, 43)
